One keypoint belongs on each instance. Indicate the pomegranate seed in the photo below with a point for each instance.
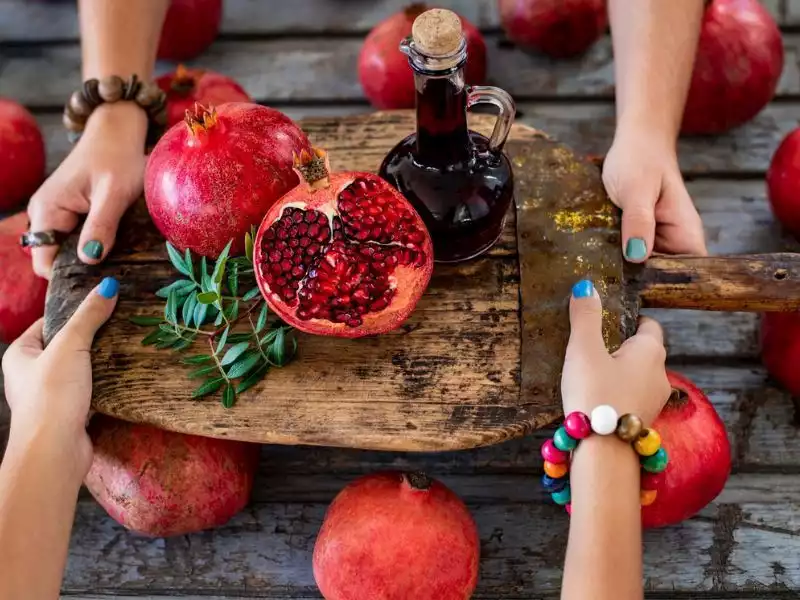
(276, 268)
(281, 281)
(297, 217)
(286, 265)
(303, 315)
(311, 216)
(294, 243)
(274, 256)
(312, 250)
(302, 229)
(282, 234)
(379, 304)
(269, 234)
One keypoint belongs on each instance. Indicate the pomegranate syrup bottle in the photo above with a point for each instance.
(459, 181)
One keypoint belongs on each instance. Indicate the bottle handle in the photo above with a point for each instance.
(487, 94)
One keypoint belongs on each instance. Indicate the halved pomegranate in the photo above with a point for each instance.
(342, 254)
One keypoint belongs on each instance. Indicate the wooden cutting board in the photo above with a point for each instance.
(477, 363)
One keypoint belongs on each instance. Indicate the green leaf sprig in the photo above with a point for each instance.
(205, 306)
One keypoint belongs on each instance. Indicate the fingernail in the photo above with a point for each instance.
(635, 249)
(93, 249)
(582, 289)
(108, 288)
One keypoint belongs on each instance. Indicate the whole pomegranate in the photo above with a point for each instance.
(189, 28)
(699, 456)
(783, 182)
(397, 535)
(161, 483)
(780, 348)
(738, 65)
(559, 28)
(383, 70)
(22, 293)
(342, 254)
(209, 180)
(186, 87)
(22, 158)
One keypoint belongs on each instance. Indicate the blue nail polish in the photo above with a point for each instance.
(108, 287)
(582, 289)
(635, 249)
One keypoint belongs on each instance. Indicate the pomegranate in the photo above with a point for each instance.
(559, 28)
(383, 70)
(738, 65)
(189, 28)
(161, 483)
(22, 158)
(210, 180)
(342, 254)
(699, 456)
(22, 293)
(186, 87)
(783, 182)
(396, 535)
(780, 348)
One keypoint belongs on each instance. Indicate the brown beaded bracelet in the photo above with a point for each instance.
(95, 92)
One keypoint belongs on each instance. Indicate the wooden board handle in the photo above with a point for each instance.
(752, 282)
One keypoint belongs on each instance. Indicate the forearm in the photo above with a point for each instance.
(120, 37)
(654, 48)
(39, 486)
(604, 553)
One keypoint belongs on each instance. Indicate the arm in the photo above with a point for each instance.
(654, 48)
(49, 451)
(103, 174)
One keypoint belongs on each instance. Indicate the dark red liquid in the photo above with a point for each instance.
(461, 190)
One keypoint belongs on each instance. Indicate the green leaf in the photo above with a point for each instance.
(197, 360)
(262, 318)
(145, 321)
(203, 267)
(233, 278)
(182, 287)
(171, 309)
(219, 319)
(251, 294)
(223, 339)
(209, 387)
(200, 312)
(168, 329)
(207, 297)
(228, 396)
(248, 246)
(244, 365)
(232, 310)
(277, 352)
(187, 260)
(183, 344)
(202, 372)
(167, 342)
(233, 353)
(219, 266)
(235, 338)
(267, 339)
(151, 338)
(252, 379)
(177, 261)
(188, 309)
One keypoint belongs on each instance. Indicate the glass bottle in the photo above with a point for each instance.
(459, 181)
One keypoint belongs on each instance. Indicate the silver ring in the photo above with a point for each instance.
(36, 239)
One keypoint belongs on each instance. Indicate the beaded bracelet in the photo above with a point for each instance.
(95, 92)
(577, 426)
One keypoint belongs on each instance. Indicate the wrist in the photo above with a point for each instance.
(123, 118)
(646, 127)
(65, 453)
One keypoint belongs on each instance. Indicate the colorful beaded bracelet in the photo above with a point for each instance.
(577, 426)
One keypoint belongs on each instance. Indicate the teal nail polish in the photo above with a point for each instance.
(582, 289)
(108, 287)
(93, 249)
(635, 249)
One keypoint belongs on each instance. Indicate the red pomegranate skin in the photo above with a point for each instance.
(699, 456)
(559, 28)
(780, 348)
(22, 157)
(384, 72)
(737, 69)
(189, 28)
(204, 188)
(22, 293)
(185, 87)
(160, 483)
(382, 538)
(783, 182)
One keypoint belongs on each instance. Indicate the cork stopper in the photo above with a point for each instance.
(437, 32)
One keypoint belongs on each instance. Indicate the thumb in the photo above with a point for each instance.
(638, 203)
(26, 347)
(93, 312)
(586, 322)
(100, 228)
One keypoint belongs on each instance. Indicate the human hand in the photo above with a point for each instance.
(49, 390)
(101, 177)
(642, 177)
(632, 380)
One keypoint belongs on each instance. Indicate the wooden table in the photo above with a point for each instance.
(745, 545)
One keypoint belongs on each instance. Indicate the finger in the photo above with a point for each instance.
(45, 215)
(680, 229)
(26, 347)
(94, 311)
(637, 199)
(647, 344)
(100, 229)
(586, 321)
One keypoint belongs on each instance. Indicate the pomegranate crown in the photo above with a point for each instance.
(185, 79)
(201, 119)
(313, 167)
